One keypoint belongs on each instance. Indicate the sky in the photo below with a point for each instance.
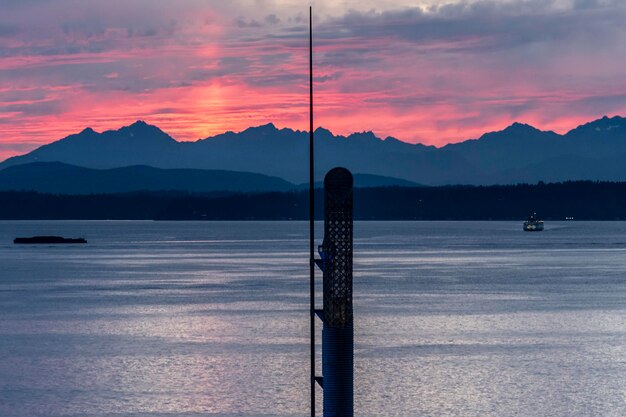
(432, 72)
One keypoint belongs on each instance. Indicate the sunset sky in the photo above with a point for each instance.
(422, 71)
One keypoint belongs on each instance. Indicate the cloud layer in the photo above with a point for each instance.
(433, 73)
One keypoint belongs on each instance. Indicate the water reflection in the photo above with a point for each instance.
(211, 318)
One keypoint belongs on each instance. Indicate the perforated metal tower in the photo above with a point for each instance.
(336, 264)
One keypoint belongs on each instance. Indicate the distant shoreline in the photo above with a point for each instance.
(580, 200)
(322, 220)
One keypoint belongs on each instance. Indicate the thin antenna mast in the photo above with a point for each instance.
(311, 214)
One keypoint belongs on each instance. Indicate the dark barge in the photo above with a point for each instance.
(47, 240)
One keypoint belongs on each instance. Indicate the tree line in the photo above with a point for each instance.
(581, 200)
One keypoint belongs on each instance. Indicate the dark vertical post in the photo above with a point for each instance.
(311, 215)
(338, 331)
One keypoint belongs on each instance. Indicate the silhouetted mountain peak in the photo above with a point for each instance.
(395, 142)
(518, 127)
(263, 130)
(604, 127)
(607, 123)
(391, 139)
(515, 132)
(140, 132)
(365, 136)
(140, 126)
(323, 132)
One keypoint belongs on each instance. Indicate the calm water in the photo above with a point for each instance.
(211, 319)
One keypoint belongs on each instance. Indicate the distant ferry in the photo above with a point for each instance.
(533, 224)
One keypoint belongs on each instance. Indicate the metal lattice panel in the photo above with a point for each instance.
(337, 248)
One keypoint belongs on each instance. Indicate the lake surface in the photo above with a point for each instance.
(211, 319)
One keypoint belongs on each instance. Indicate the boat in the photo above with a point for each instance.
(533, 224)
(47, 240)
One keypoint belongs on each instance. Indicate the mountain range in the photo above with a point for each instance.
(518, 154)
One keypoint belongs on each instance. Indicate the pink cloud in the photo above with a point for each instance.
(435, 77)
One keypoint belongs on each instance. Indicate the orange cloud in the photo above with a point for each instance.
(434, 77)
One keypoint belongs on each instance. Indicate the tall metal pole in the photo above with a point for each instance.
(311, 215)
